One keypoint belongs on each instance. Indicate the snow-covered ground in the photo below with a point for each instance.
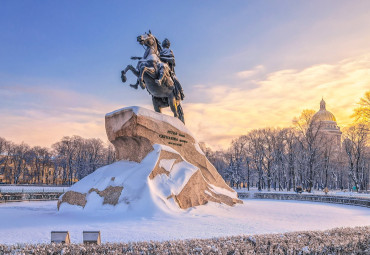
(31, 222)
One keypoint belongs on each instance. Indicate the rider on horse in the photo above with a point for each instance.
(155, 73)
(167, 56)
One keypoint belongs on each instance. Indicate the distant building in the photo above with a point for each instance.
(30, 174)
(328, 124)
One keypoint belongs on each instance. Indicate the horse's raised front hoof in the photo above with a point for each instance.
(123, 76)
(135, 86)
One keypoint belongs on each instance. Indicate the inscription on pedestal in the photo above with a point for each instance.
(175, 138)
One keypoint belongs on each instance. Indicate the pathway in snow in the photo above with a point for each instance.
(31, 222)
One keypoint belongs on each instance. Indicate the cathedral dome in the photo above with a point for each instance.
(323, 114)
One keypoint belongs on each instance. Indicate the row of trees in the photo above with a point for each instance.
(268, 158)
(68, 160)
(303, 155)
(283, 159)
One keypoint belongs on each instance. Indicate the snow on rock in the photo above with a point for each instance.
(140, 111)
(161, 168)
(167, 164)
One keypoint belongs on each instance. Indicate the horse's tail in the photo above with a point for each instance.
(180, 113)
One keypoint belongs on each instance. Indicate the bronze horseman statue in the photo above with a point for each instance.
(155, 71)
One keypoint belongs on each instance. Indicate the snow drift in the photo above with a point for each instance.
(161, 167)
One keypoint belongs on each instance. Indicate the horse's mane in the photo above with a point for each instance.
(159, 47)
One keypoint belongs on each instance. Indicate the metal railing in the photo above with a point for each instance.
(10, 193)
(18, 197)
(365, 202)
(31, 189)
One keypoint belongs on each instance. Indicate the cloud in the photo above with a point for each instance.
(279, 97)
(41, 116)
(247, 74)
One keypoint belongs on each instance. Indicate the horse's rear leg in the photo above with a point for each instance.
(156, 105)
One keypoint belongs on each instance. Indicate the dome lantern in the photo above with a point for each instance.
(323, 114)
(322, 104)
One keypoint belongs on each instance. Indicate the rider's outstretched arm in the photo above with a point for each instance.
(135, 58)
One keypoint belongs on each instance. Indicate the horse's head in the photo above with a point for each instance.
(149, 40)
(146, 39)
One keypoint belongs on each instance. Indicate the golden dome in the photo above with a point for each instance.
(323, 114)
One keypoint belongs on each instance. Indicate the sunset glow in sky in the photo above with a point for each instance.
(243, 64)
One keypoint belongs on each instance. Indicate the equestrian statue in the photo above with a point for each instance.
(155, 72)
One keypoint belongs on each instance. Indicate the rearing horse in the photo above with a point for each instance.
(148, 69)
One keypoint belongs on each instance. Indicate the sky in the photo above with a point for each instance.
(243, 64)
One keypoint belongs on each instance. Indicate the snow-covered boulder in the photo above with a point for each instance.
(161, 166)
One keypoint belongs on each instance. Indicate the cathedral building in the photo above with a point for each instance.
(328, 124)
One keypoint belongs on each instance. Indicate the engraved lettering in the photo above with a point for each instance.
(171, 132)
